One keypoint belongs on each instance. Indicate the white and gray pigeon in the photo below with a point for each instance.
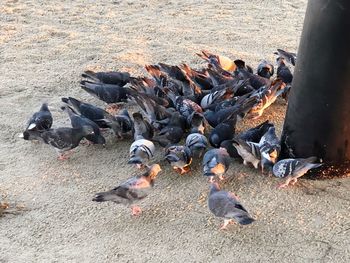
(62, 139)
(292, 169)
(215, 163)
(141, 151)
(134, 189)
(226, 205)
(197, 143)
(249, 151)
(40, 121)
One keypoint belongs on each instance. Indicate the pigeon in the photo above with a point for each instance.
(200, 78)
(266, 96)
(87, 110)
(63, 139)
(231, 150)
(252, 135)
(223, 131)
(215, 163)
(184, 84)
(265, 69)
(132, 190)
(154, 112)
(125, 121)
(292, 169)
(173, 132)
(283, 71)
(197, 143)
(249, 151)
(226, 205)
(288, 56)
(218, 61)
(270, 148)
(215, 97)
(226, 129)
(197, 122)
(142, 128)
(111, 77)
(41, 120)
(243, 73)
(183, 105)
(240, 108)
(179, 157)
(119, 124)
(256, 133)
(140, 151)
(219, 76)
(78, 121)
(154, 93)
(108, 93)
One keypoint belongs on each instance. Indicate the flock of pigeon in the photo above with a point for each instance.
(177, 101)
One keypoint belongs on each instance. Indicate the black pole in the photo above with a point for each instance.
(317, 122)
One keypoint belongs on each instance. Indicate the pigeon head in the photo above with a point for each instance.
(44, 107)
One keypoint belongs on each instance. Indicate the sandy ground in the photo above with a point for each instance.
(45, 45)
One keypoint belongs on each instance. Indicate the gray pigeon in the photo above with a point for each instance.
(225, 205)
(140, 151)
(109, 77)
(197, 143)
(63, 139)
(270, 148)
(108, 93)
(292, 169)
(134, 189)
(142, 128)
(215, 163)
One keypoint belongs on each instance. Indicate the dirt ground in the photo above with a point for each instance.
(44, 47)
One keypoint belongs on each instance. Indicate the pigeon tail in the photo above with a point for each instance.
(99, 198)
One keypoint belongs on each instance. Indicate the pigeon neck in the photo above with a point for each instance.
(214, 188)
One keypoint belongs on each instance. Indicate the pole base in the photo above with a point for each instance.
(329, 171)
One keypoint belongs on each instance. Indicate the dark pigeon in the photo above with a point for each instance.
(63, 139)
(106, 92)
(41, 120)
(110, 77)
(78, 121)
